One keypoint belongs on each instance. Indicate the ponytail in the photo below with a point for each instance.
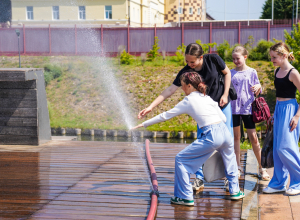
(202, 88)
(195, 80)
(281, 48)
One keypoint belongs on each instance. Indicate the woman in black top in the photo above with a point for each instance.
(286, 127)
(210, 67)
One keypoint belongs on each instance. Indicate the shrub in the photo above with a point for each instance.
(292, 40)
(261, 51)
(249, 44)
(51, 72)
(126, 58)
(180, 55)
(223, 49)
(205, 47)
(152, 54)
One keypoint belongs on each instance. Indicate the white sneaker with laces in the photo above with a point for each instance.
(271, 190)
(292, 192)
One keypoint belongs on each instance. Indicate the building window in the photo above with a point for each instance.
(191, 10)
(179, 10)
(108, 12)
(29, 10)
(199, 11)
(55, 10)
(81, 12)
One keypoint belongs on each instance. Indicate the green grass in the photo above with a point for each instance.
(77, 96)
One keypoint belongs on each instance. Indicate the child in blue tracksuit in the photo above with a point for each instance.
(286, 127)
(214, 136)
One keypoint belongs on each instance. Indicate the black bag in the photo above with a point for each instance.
(267, 160)
(232, 91)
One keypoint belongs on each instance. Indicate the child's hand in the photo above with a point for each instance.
(294, 122)
(256, 89)
(138, 126)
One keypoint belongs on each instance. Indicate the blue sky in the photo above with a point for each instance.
(235, 9)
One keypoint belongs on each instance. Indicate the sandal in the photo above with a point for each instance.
(263, 174)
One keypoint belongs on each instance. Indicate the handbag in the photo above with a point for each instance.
(232, 91)
(213, 168)
(267, 160)
(260, 110)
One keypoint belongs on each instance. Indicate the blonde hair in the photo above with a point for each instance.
(240, 49)
(281, 49)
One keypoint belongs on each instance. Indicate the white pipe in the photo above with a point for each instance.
(179, 12)
(224, 12)
(248, 11)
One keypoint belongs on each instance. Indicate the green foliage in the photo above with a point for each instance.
(282, 9)
(223, 49)
(298, 96)
(126, 58)
(51, 72)
(205, 47)
(180, 55)
(249, 44)
(293, 41)
(152, 54)
(261, 51)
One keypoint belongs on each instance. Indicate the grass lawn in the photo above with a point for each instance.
(79, 97)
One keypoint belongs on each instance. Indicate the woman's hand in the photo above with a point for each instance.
(256, 89)
(294, 122)
(138, 126)
(144, 112)
(223, 100)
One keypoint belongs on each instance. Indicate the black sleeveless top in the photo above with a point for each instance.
(284, 87)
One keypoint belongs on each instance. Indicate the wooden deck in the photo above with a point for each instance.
(98, 180)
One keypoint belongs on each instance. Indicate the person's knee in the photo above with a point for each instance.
(236, 137)
(254, 139)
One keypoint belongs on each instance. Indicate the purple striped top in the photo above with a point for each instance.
(242, 82)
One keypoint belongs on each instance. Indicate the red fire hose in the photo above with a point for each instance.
(154, 194)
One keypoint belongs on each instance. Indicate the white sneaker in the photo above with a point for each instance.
(292, 192)
(271, 190)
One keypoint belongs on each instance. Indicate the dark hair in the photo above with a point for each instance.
(194, 50)
(195, 80)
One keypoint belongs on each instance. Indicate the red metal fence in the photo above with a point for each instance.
(95, 41)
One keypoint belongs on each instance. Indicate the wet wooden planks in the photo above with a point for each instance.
(74, 180)
(211, 202)
(98, 180)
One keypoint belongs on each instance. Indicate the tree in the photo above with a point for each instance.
(282, 9)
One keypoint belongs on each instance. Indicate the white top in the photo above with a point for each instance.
(202, 109)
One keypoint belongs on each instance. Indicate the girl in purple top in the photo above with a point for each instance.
(246, 83)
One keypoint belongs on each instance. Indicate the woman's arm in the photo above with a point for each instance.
(256, 89)
(295, 78)
(227, 79)
(165, 94)
(182, 107)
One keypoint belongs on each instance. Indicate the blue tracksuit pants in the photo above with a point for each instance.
(285, 146)
(213, 137)
(228, 113)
